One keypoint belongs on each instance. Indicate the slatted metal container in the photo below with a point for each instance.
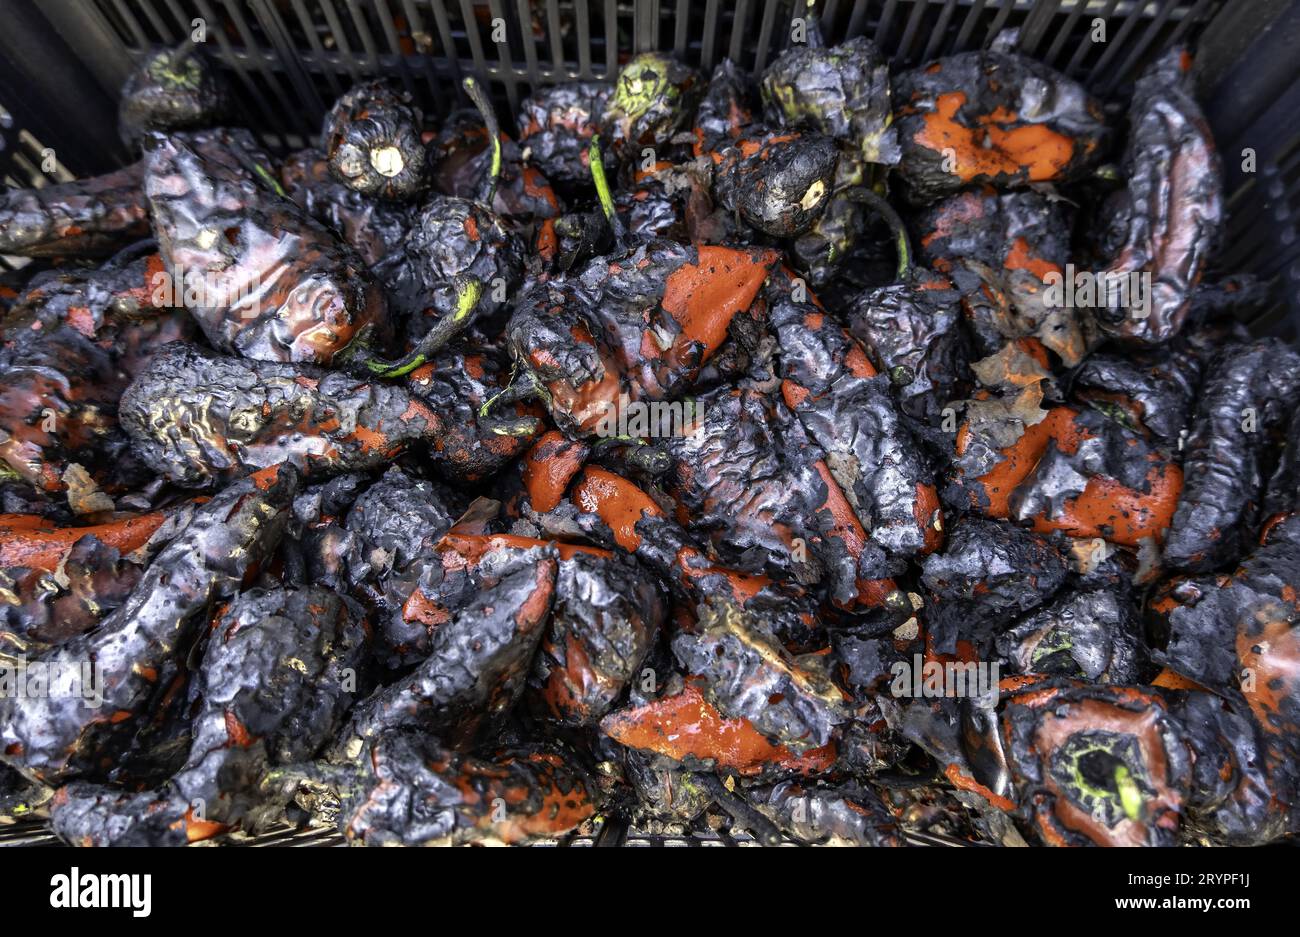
(63, 61)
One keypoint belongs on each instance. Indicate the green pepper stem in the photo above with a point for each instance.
(524, 386)
(597, 166)
(469, 290)
(892, 218)
(488, 113)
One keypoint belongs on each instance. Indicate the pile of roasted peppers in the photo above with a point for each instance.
(837, 455)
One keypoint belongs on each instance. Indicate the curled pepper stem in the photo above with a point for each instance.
(476, 94)
(469, 290)
(523, 386)
(764, 830)
(886, 211)
(640, 455)
(597, 166)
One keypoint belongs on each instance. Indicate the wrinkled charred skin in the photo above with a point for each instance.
(1165, 223)
(614, 511)
(640, 324)
(452, 237)
(271, 282)
(556, 124)
(1007, 253)
(41, 608)
(140, 646)
(762, 497)
(456, 385)
(1089, 634)
(912, 331)
(281, 668)
(987, 572)
(777, 182)
(407, 790)
(843, 814)
(478, 656)
(393, 526)
(197, 417)
(171, 90)
(1246, 397)
(667, 201)
(371, 139)
(84, 218)
(1006, 120)
(1061, 469)
(605, 616)
(1105, 766)
(842, 92)
(373, 228)
(725, 111)
(847, 410)
(653, 98)
(1282, 495)
(1230, 799)
(1154, 395)
(73, 341)
(746, 673)
(1237, 636)
(1099, 479)
(460, 162)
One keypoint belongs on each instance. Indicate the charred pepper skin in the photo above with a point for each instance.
(1244, 400)
(371, 138)
(373, 228)
(1004, 250)
(174, 89)
(1166, 222)
(842, 91)
(726, 109)
(138, 646)
(912, 331)
(450, 237)
(606, 615)
(746, 673)
(1097, 765)
(478, 660)
(828, 814)
(1087, 634)
(40, 609)
(847, 409)
(641, 323)
(394, 525)
(556, 124)
(1007, 120)
(1230, 798)
(199, 418)
(281, 668)
(73, 341)
(456, 384)
(653, 98)
(777, 182)
(1237, 636)
(407, 790)
(987, 571)
(85, 218)
(276, 285)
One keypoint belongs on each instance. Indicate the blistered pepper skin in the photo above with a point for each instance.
(271, 282)
(138, 646)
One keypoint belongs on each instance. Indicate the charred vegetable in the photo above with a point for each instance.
(171, 90)
(371, 138)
